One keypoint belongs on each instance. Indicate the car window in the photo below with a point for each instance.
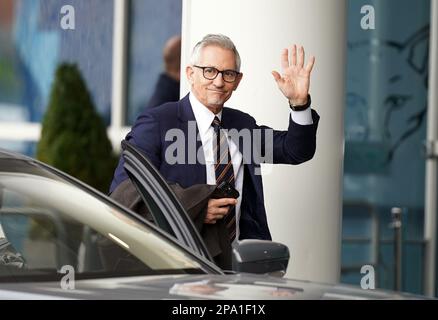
(161, 201)
(48, 223)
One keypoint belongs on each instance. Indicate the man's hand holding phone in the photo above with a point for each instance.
(222, 200)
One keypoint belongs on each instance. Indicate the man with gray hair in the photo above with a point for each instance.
(213, 74)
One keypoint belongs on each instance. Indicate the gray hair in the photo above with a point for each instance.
(218, 40)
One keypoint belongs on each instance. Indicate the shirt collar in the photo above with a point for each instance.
(204, 117)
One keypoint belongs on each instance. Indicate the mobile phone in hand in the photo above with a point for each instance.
(225, 190)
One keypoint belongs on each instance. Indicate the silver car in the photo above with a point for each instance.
(61, 239)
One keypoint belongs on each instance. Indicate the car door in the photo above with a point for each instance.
(162, 203)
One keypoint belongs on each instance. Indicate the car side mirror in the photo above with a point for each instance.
(261, 256)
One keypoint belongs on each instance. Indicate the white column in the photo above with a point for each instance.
(119, 72)
(304, 203)
(430, 221)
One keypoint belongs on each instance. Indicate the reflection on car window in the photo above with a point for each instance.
(46, 224)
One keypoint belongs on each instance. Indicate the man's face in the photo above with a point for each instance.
(213, 93)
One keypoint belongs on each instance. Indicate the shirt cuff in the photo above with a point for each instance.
(302, 117)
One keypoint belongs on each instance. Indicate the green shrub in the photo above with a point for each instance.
(74, 137)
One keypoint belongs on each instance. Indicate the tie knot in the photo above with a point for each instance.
(216, 124)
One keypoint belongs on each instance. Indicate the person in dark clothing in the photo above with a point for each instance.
(167, 86)
(211, 140)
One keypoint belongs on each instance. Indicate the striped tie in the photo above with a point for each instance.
(224, 170)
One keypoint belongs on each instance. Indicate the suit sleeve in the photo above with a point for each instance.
(294, 146)
(144, 134)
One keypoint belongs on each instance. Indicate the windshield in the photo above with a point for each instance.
(46, 224)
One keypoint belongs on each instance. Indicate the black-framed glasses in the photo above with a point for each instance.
(210, 73)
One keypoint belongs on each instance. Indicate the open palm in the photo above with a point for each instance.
(294, 82)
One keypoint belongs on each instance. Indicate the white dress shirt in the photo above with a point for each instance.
(204, 117)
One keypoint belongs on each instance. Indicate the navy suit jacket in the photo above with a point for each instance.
(294, 146)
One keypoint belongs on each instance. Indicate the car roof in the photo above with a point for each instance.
(15, 162)
(6, 154)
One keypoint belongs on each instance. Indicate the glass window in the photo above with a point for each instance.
(47, 223)
(152, 24)
(385, 126)
(33, 42)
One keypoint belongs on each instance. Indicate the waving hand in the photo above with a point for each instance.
(294, 82)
